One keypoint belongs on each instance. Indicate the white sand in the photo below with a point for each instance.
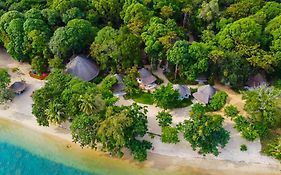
(231, 158)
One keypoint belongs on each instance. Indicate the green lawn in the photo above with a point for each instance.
(142, 97)
(184, 103)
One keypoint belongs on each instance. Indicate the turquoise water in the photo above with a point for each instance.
(27, 152)
(15, 160)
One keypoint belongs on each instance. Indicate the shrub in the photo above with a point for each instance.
(6, 94)
(164, 118)
(56, 63)
(218, 101)
(169, 135)
(166, 97)
(274, 148)
(231, 111)
(243, 148)
(248, 130)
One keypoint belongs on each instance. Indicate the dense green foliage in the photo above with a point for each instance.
(164, 118)
(218, 101)
(169, 135)
(5, 93)
(95, 119)
(232, 39)
(166, 97)
(204, 132)
(231, 111)
(263, 108)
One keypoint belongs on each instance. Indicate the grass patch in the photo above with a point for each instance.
(142, 97)
(183, 103)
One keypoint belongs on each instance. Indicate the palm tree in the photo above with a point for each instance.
(90, 103)
(55, 112)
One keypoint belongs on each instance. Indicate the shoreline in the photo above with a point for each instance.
(231, 159)
(212, 166)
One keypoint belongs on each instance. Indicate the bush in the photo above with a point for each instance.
(274, 148)
(164, 118)
(169, 135)
(6, 93)
(231, 111)
(248, 130)
(243, 148)
(166, 97)
(218, 101)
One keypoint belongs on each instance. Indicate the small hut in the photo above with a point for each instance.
(146, 79)
(183, 90)
(201, 79)
(204, 94)
(18, 87)
(256, 81)
(119, 88)
(82, 68)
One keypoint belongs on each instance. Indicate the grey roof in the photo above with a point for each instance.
(82, 68)
(18, 86)
(256, 80)
(183, 90)
(204, 94)
(119, 87)
(146, 77)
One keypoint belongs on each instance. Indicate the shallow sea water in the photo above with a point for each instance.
(27, 152)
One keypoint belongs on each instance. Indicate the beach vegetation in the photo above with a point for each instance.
(231, 111)
(205, 132)
(243, 148)
(6, 93)
(165, 96)
(263, 108)
(164, 118)
(169, 135)
(218, 101)
(95, 119)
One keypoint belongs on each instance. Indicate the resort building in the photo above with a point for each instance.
(183, 90)
(204, 94)
(82, 68)
(146, 80)
(119, 88)
(256, 81)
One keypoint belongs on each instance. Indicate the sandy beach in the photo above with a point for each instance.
(231, 160)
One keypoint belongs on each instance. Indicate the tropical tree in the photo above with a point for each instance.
(90, 103)
(262, 107)
(205, 132)
(169, 135)
(165, 96)
(164, 118)
(178, 54)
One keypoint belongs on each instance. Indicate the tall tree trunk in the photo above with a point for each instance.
(184, 19)
(176, 71)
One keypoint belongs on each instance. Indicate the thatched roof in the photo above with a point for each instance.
(119, 87)
(204, 94)
(18, 87)
(183, 90)
(201, 79)
(256, 80)
(146, 77)
(82, 68)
